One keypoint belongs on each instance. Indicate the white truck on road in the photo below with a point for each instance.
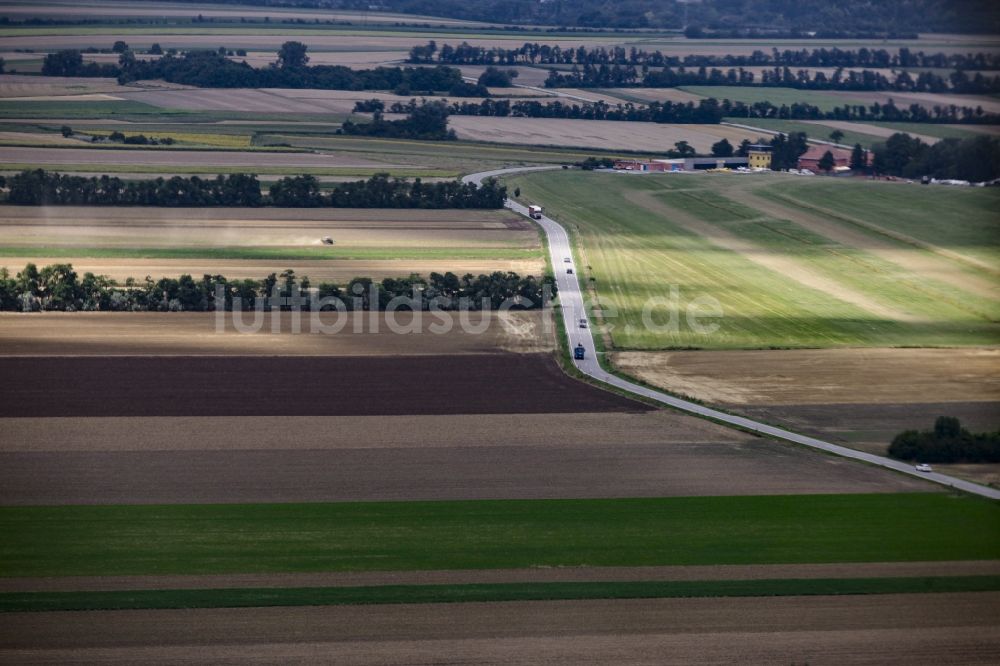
(535, 212)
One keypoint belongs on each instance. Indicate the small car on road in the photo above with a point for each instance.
(567, 260)
(583, 323)
(924, 467)
(569, 271)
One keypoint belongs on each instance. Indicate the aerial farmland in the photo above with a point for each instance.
(291, 372)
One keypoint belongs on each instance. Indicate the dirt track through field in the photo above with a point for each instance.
(295, 386)
(778, 263)
(920, 263)
(487, 576)
(885, 629)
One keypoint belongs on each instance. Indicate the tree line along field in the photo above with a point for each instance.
(792, 263)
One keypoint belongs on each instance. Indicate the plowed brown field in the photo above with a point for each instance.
(295, 386)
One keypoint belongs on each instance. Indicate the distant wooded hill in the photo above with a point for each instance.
(842, 16)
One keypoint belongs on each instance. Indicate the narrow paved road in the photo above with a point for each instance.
(571, 297)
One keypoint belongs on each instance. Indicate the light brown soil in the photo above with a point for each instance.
(140, 227)
(183, 333)
(662, 95)
(887, 629)
(822, 376)
(36, 138)
(487, 576)
(779, 263)
(144, 434)
(21, 85)
(608, 135)
(860, 398)
(180, 158)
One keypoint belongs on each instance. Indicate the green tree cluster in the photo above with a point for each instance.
(948, 442)
(59, 287)
(427, 121)
(42, 188)
(976, 159)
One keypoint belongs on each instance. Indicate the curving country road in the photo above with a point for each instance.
(571, 297)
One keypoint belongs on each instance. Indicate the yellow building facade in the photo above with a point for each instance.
(759, 157)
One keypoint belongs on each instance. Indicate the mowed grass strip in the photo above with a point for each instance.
(963, 220)
(265, 253)
(436, 594)
(496, 534)
(640, 253)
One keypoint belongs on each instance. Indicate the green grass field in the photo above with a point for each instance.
(90, 109)
(961, 219)
(637, 248)
(777, 96)
(424, 594)
(940, 131)
(371, 536)
(821, 132)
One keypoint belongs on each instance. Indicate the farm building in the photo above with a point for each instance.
(682, 164)
(759, 156)
(810, 159)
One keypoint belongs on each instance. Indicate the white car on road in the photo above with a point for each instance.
(924, 467)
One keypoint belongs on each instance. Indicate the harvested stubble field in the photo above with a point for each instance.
(861, 398)
(177, 159)
(543, 458)
(260, 101)
(21, 85)
(890, 629)
(108, 226)
(822, 376)
(600, 134)
(215, 334)
(254, 242)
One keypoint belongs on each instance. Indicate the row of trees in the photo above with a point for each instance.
(706, 111)
(59, 287)
(212, 69)
(976, 159)
(948, 442)
(533, 53)
(605, 76)
(42, 188)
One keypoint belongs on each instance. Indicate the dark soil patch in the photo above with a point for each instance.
(296, 386)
